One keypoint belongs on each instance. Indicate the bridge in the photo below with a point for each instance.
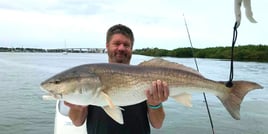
(57, 50)
(78, 50)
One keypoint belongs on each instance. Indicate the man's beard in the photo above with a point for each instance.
(124, 57)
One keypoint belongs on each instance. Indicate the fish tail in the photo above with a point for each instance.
(234, 97)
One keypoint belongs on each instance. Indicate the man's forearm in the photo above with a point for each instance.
(77, 114)
(156, 117)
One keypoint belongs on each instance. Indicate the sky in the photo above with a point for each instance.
(155, 23)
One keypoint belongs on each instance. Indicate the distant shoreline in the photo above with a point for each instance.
(258, 53)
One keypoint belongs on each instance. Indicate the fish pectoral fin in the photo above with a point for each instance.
(112, 110)
(115, 113)
(184, 98)
(107, 99)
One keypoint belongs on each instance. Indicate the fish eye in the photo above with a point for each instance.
(56, 81)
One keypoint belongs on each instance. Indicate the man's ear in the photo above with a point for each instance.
(107, 45)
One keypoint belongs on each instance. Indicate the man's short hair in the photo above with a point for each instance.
(120, 29)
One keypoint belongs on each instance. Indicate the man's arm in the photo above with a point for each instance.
(77, 114)
(155, 96)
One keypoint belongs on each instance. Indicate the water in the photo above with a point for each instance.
(23, 111)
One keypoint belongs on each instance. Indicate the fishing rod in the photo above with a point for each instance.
(204, 95)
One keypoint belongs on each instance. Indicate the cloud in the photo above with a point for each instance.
(27, 5)
(80, 7)
(154, 22)
(73, 7)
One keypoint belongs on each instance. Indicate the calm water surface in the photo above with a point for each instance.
(23, 111)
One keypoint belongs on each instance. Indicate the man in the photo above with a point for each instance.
(119, 44)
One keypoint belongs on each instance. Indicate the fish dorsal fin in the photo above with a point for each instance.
(184, 98)
(159, 62)
(113, 111)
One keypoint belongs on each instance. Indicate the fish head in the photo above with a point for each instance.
(79, 81)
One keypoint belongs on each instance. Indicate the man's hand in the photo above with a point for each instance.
(158, 93)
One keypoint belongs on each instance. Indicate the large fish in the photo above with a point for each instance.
(112, 85)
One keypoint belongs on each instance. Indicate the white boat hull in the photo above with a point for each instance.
(63, 124)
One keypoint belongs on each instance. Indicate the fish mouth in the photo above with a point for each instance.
(50, 94)
(51, 97)
(42, 88)
(48, 97)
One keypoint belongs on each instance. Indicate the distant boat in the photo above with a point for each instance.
(65, 50)
(65, 53)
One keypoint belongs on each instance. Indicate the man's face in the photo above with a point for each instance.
(119, 49)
